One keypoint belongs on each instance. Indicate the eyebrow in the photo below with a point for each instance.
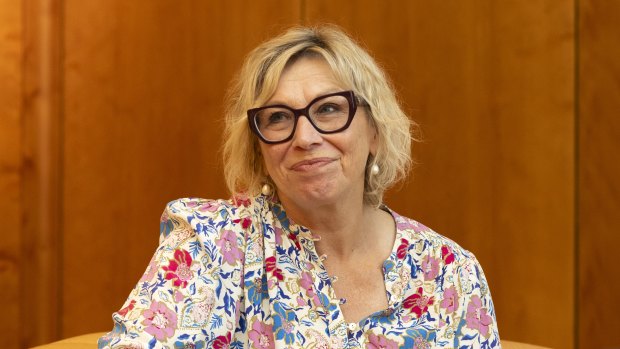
(323, 93)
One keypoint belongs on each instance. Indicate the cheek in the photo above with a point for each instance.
(271, 156)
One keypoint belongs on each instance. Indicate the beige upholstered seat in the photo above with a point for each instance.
(89, 341)
(80, 342)
(518, 345)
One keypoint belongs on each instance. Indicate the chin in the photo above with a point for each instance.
(324, 193)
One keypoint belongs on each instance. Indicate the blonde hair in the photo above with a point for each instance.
(244, 169)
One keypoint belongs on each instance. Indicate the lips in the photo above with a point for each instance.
(311, 164)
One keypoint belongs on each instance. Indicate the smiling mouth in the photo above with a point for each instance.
(307, 165)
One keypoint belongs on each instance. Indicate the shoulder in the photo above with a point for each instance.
(436, 256)
(453, 279)
(202, 216)
(422, 241)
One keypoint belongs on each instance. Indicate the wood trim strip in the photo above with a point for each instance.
(42, 168)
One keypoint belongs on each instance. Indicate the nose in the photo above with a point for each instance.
(305, 134)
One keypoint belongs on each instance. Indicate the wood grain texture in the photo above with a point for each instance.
(10, 159)
(599, 169)
(41, 171)
(145, 82)
(94, 145)
(492, 87)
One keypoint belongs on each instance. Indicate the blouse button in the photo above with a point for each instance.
(352, 326)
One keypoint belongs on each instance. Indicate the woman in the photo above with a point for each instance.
(306, 254)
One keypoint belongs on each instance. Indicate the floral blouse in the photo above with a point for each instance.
(240, 274)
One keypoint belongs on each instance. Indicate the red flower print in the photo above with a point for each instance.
(401, 252)
(241, 200)
(222, 342)
(293, 238)
(179, 268)
(446, 254)
(245, 222)
(418, 303)
(270, 264)
(126, 309)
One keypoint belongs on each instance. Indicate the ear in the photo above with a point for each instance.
(374, 139)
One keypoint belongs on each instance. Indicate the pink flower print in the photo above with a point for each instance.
(430, 267)
(201, 311)
(421, 343)
(228, 246)
(179, 268)
(418, 303)
(164, 217)
(178, 296)
(450, 300)
(380, 342)
(404, 223)
(306, 283)
(401, 252)
(261, 335)
(477, 316)
(222, 342)
(446, 254)
(159, 321)
(278, 234)
(150, 271)
(209, 206)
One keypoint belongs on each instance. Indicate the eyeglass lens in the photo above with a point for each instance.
(329, 113)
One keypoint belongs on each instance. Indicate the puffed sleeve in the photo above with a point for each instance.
(189, 294)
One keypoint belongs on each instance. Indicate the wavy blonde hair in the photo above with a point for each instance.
(258, 78)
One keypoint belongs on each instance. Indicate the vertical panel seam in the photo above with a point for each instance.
(576, 188)
(61, 163)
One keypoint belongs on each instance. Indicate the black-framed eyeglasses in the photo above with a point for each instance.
(330, 113)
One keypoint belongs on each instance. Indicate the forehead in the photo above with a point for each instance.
(305, 79)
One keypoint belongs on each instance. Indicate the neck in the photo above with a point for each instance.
(346, 228)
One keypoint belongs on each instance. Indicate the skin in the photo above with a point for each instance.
(319, 180)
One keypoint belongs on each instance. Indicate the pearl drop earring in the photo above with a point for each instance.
(266, 190)
(374, 169)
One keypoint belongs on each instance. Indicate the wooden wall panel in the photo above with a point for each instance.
(10, 159)
(95, 144)
(144, 88)
(41, 170)
(599, 172)
(492, 87)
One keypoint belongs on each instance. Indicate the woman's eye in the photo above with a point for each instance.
(278, 117)
(328, 108)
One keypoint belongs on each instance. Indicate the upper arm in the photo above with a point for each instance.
(187, 293)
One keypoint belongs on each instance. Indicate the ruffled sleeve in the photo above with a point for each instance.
(189, 294)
